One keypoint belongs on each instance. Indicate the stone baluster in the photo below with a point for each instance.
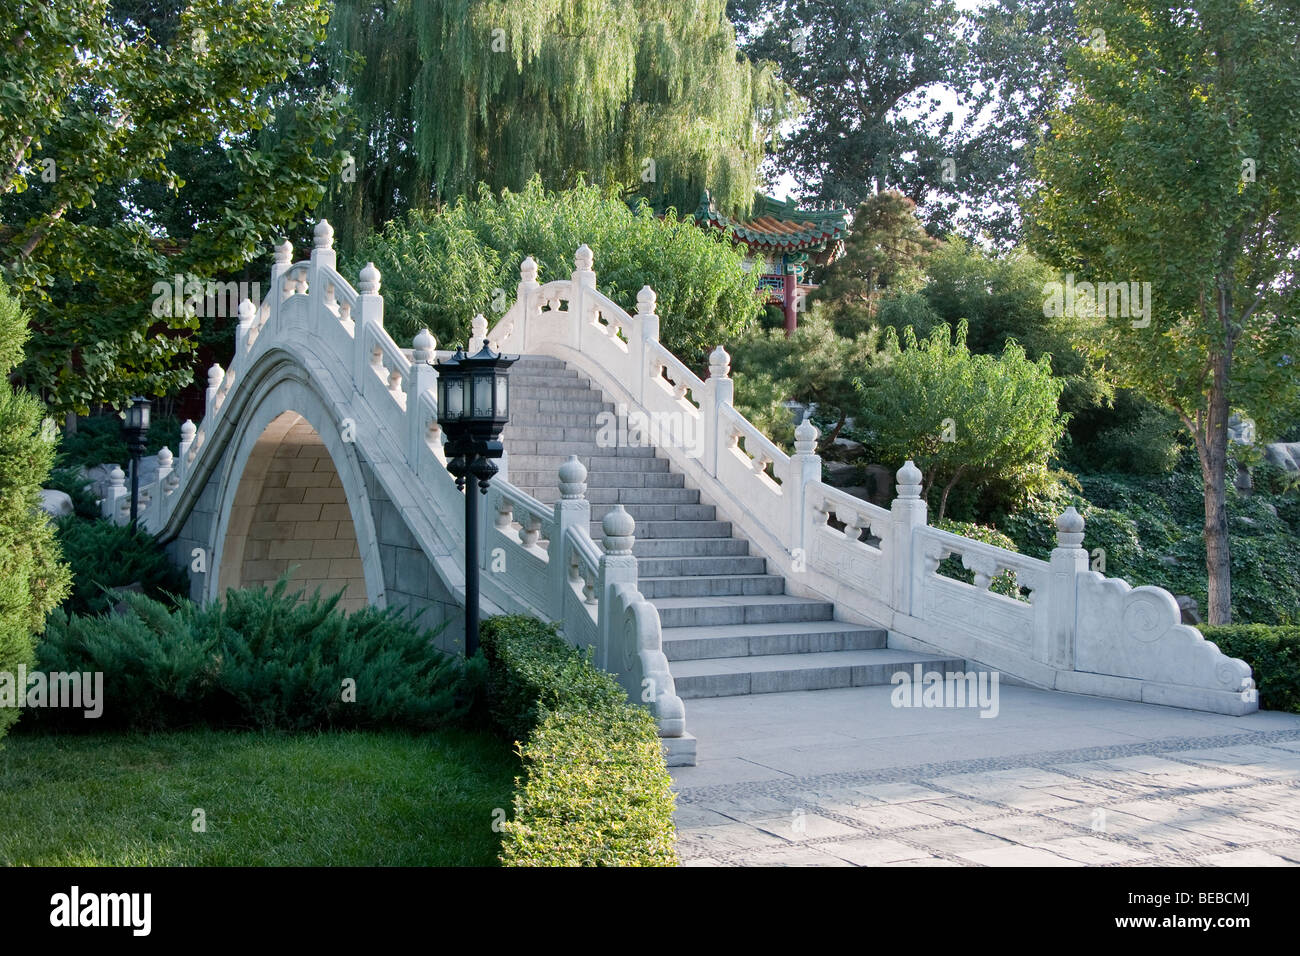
(525, 294)
(110, 506)
(216, 375)
(322, 249)
(645, 330)
(188, 431)
(618, 565)
(805, 468)
(247, 312)
(423, 378)
(166, 480)
(1054, 645)
(903, 557)
(281, 282)
(478, 330)
(571, 511)
(584, 279)
(719, 390)
(369, 316)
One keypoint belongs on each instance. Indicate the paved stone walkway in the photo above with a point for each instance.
(842, 778)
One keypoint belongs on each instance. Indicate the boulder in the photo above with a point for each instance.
(1188, 608)
(56, 503)
(1286, 455)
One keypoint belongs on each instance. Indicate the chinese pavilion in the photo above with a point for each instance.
(781, 239)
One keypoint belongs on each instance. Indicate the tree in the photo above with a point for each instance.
(1176, 166)
(132, 99)
(885, 252)
(32, 580)
(441, 267)
(814, 364)
(648, 96)
(960, 415)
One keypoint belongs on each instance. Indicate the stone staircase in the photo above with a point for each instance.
(729, 627)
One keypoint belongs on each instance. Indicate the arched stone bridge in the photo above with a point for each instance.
(635, 507)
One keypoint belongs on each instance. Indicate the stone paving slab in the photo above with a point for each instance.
(1141, 786)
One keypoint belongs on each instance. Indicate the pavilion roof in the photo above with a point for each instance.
(780, 227)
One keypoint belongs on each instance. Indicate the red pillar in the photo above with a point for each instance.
(790, 296)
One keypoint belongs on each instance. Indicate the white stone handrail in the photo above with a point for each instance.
(386, 400)
(1066, 628)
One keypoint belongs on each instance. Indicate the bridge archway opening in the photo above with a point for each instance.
(291, 512)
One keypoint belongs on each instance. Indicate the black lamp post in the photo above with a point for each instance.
(473, 407)
(136, 432)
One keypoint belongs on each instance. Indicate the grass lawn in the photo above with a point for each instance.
(316, 799)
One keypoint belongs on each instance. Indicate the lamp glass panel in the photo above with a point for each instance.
(482, 404)
(455, 399)
(503, 392)
(144, 414)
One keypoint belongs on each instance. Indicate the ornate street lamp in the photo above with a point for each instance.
(135, 430)
(473, 407)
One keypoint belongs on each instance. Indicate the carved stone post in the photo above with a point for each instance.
(1069, 560)
(573, 510)
(370, 314)
(423, 378)
(247, 311)
(617, 566)
(805, 468)
(188, 431)
(584, 279)
(719, 390)
(904, 559)
(112, 506)
(216, 375)
(528, 286)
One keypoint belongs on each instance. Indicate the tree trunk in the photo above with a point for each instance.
(943, 499)
(1214, 469)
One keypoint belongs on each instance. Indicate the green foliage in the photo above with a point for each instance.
(98, 441)
(102, 556)
(815, 364)
(1273, 654)
(596, 791)
(957, 414)
(440, 268)
(649, 98)
(1132, 435)
(142, 141)
(32, 579)
(262, 659)
(73, 483)
(883, 254)
(951, 566)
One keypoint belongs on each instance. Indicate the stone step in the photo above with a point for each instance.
(708, 566)
(539, 378)
(555, 392)
(539, 361)
(539, 424)
(774, 674)
(757, 640)
(515, 435)
(660, 512)
(608, 497)
(588, 403)
(690, 547)
(673, 529)
(615, 460)
(546, 478)
(582, 448)
(756, 609)
(717, 585)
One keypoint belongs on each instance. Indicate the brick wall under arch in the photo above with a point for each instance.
(290, 509)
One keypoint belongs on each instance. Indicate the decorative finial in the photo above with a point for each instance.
(528, 270)
(323, 235)
(645, 301)
(1069, 529)
(583, 259)
(719, 363)
(188, 431)
(478, 331)
(618, 526)
(805, 437)
(215, 374)
(423, 346)
(246, 312)
(165, 457)
(573, 479)
(284, 253)
(369, 280)
(909, 480)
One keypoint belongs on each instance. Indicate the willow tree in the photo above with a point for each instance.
(647, 95)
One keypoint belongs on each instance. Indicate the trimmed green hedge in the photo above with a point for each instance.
(596, 791)
(1273, 653)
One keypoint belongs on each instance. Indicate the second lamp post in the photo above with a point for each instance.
(473, 407)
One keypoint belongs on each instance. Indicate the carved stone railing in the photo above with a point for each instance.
(541, 558)
(1059, 626)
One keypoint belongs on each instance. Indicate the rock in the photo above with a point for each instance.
(56, 503)
(1188, 608)
(881, 480)
(854, 448)
(1286, 455)
(1243, 482)
(1169, 559)
(839, 473)
(1270, 508)
(1248, 522)
(1241, 430)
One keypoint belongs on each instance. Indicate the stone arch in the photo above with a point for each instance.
(292, 494)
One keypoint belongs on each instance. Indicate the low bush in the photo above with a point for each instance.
(596, 791)
(1273, 653)
(103, 555)
(260, 659)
